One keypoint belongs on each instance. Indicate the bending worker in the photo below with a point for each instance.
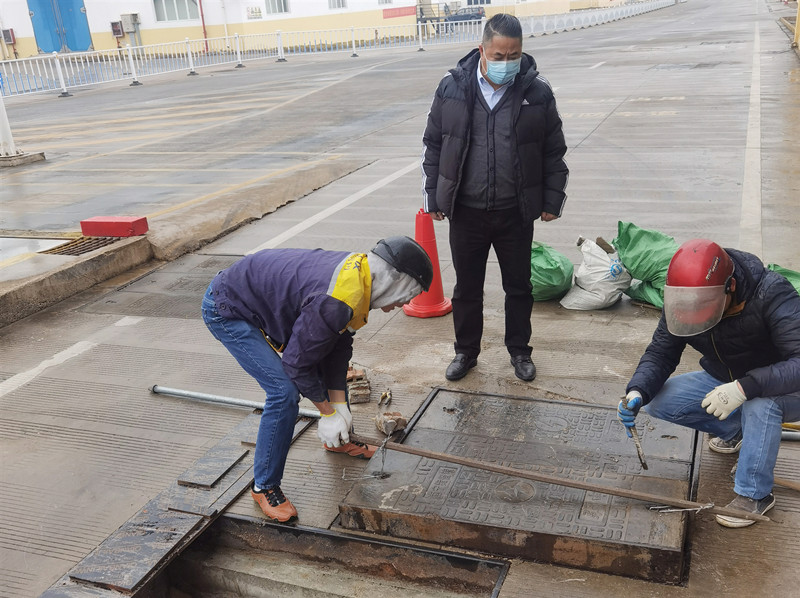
(306, 305)
(745, 321)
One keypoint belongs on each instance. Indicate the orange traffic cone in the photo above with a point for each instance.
(432, 302)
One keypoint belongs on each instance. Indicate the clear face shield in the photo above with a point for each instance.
(692, 310)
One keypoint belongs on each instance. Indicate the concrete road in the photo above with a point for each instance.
(685, 120)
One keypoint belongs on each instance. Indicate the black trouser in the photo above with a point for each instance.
(472, 233)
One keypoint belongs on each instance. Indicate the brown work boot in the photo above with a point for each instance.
(274, 504)
(354, 449)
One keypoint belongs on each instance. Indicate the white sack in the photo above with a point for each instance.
(599, 281)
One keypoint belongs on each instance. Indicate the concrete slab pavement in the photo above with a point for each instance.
(657, 112)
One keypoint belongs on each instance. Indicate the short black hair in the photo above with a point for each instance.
(503, 25)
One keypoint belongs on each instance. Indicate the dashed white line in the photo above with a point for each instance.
(18, 380)
(305, 224)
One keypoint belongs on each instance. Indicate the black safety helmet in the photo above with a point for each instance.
(407, 256)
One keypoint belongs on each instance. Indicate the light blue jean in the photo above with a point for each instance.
(249, 347)
(759, 420)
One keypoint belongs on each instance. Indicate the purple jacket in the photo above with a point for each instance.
(287, 294)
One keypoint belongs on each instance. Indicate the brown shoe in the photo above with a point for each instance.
(274, 504)
(354, 449)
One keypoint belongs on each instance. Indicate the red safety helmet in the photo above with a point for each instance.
(698, 282)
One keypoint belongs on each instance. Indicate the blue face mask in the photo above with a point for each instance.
(501, 72)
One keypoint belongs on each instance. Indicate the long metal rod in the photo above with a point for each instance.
(538, 477)
(208, 398)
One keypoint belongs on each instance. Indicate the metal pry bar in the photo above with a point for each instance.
(669, 509)
(636, 441)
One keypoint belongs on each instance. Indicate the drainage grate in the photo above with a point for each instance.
(81, 245)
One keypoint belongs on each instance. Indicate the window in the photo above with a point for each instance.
(276, 6)
(384, 1)
(332, 4)
(176, 10)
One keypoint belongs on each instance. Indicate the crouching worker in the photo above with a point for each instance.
(306, 305)
(745, 321)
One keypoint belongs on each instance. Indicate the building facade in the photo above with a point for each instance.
(44, 26)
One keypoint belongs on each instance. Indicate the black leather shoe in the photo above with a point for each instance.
(459, 367)
(523, 367)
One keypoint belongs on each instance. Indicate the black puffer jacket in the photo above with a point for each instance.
(541, 172)
(759, 346)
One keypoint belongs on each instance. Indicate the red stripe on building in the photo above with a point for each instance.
(404, 11)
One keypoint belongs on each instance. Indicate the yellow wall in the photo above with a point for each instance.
(534, 9)
(373, 18)
(103, 41)
(26, 47)
(582, 4)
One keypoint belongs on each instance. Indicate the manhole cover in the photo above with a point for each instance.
(445, 503)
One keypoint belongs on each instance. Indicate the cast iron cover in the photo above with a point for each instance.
(449, 504)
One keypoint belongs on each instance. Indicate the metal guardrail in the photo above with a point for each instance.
(61, 72)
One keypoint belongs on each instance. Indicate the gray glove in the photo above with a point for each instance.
(724, 400)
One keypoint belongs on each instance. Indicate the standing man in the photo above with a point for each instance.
(493, 163)
(745, 321)
(306, 305)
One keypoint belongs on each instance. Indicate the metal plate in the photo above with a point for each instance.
(471, 508)
(206, 472)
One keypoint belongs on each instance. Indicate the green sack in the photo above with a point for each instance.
(646, 293)
(790, 275)
(645, 253)
(551, 272)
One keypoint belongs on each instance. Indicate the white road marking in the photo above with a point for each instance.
(18, 380)
(598, 64)
(129, 321)
(300, 227)
(750, 237)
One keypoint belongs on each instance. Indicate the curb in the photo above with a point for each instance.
(27, 296)
(171, 235)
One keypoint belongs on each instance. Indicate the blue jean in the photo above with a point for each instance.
(249, 347)
(758, 419)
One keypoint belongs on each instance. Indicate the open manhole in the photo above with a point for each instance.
(81, 245)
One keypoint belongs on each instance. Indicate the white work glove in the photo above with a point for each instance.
(344, 411)
(724, 400)
(333, 430)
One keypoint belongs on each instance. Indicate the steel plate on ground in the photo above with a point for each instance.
(440, 502)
